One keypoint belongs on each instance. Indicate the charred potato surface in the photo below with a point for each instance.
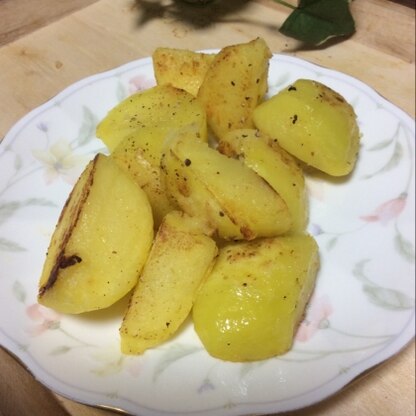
(98, 248)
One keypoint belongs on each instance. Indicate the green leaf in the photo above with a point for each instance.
(18, 162)
(7, 209)
(358, 270)
(388, 298)
(8, 245)
(121, 92)
(247, 368)
(173, 354)
(331, 243)
(316, 21)
(19, 291)
(63, 349)
(391, 163)
(404, 247)
(40, 202)
(381, 145)
(87, 129)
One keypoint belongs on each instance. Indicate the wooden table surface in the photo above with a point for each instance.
(46, 45)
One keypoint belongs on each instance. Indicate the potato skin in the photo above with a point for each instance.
(100, 244)
(250, 305)
(234, 85)
(181, 68)
(178, 263)
(313, 123)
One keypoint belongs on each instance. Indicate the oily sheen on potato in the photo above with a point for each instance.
(313, 123)
(178, 263)
(232, 198)
(100, 244)
(252, 301)
(275, 166)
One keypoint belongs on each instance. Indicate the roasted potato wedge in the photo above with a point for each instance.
(234, 85)
(278, 168)
(181, 68)
(100, 244)
(162, 108)
(160, 112)
(313, 123)
(252, 301)
(232, 198)
(178, 263)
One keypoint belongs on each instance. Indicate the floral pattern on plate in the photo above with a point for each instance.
(362, 311)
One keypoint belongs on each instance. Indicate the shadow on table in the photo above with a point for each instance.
(196, 15)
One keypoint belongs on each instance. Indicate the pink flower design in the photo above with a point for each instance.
(43, 319)
(317, 318)
(388, 210)
(316, 190)
(140, 83)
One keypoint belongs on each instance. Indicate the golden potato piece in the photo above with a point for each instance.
(233, 199)
(181, 68)
(278, 168)
(162, 108)
(144, 168)
(313, 123)
(178, 263)
(100, 244)
(159, 112)
(252, 301)
(234, 85)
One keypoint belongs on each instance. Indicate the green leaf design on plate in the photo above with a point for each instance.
(394, 160)
(8, 245)
(40, 202)
(404, 247)
(19, 291)
(63, 349)
(171, 356)
(358, 270)
(331, 243)
(18, 162)
(246, 368)
(380, 146)
(388, 298)
(316, 21)
(87, 129)
(110, 368)
(121, 92)
(7, 209)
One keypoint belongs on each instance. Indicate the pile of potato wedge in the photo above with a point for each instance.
(201, 206)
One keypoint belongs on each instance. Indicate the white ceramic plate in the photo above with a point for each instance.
(362, 311)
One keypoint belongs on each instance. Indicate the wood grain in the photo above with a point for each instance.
(66, 45)
(21, 394)
(21, 17)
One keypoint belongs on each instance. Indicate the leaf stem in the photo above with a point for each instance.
(284, 3)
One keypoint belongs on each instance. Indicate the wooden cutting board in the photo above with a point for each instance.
(51, 52)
